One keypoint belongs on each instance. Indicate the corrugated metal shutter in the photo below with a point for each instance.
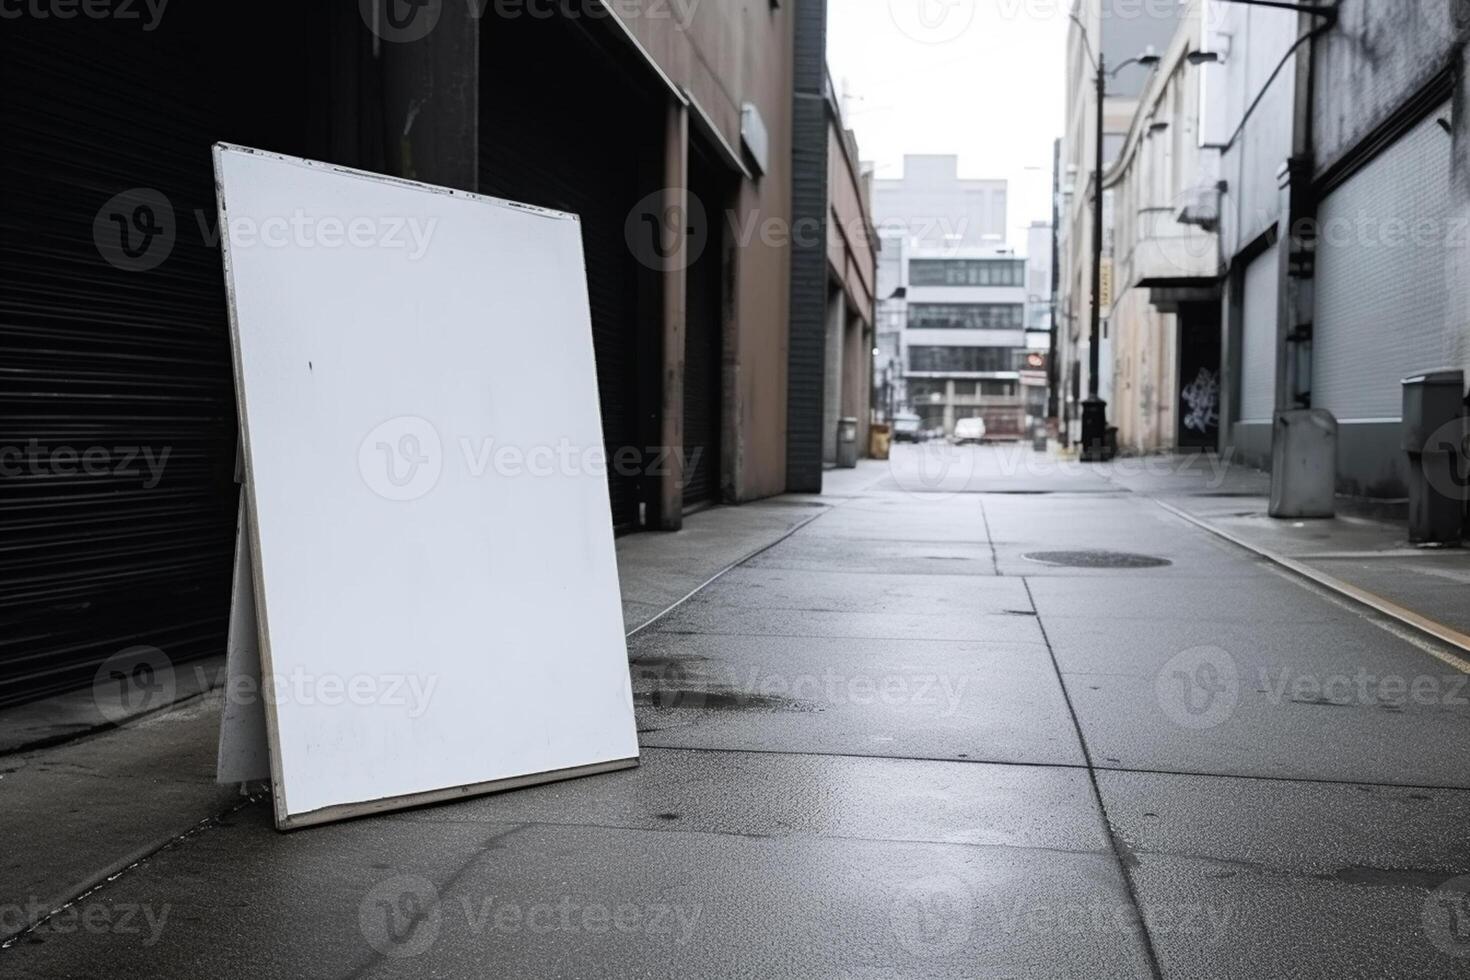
(128, 364)
(1381, 276)
(556, 122)
(1258, 338)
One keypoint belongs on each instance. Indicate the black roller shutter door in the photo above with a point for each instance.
(129, 365)
(559, 124)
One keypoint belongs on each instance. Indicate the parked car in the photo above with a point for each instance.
(906, 428)
(969, 430)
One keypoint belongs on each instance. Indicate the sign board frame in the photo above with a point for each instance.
(338, 352)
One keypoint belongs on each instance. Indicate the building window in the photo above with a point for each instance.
(967, 272)
(998, 389)
(962, 360)
(967, 316)
(926, 391)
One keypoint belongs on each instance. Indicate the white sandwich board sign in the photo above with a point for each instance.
(426, 572)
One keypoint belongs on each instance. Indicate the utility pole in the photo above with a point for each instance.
(1094, 409)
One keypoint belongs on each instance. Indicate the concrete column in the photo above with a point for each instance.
(1232, 346)
(832, 373)
(949, 396)
(431, 94)
(1295, 279)
(674, 229)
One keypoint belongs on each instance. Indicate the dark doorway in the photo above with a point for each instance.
(561, 112)
(1199, 376)
(704, 335)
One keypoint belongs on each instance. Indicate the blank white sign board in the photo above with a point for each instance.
(429, 525)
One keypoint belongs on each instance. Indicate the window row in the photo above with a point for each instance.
(967, 272)
(967, 316)
(965, 360)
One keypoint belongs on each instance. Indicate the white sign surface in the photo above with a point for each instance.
(435, 582)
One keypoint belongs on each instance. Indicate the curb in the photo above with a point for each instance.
(1377, 603)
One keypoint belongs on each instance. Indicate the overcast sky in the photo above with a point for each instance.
(984, 79)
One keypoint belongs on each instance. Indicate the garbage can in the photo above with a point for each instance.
(1038, 437)
(847, 448)
(1434, 438)
(880, 440)
(1304, 464)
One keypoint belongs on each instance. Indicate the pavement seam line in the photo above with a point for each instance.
(989, 537)
(1102, 808)
(1071, 766)
(812, 836)
(727, 569)
(1407, 617)
(104, 880)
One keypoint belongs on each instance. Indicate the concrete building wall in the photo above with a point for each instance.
(730, 54)
(1120, 30)
(1163, 186)
(938, 209)
(852, 262)
(1251, 43)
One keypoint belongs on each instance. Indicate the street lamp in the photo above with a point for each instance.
(1094, 409)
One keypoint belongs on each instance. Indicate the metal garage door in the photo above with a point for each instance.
(1258, 339)
(117, 420)
(1381, 277)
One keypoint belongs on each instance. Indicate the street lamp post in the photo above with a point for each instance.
(1094, 409)
(1095, 443)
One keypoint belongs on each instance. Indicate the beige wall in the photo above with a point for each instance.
(732, 52)
(852, 263)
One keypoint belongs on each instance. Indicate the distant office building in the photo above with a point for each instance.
(963, 345)
(934, 208)
(952, 299)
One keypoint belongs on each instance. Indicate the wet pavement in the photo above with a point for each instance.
(892, 741)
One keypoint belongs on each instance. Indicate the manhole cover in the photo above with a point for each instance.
(1096, 559)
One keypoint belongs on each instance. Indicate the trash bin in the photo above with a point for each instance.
(847, 448)
(1434, 438)
(1304, 464)
(880, 440)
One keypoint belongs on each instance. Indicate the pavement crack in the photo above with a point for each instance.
(1122, 851)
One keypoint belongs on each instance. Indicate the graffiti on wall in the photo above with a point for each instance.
(1202, 401)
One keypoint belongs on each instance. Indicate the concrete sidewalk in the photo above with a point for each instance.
(1360, 551)
(988, 716)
